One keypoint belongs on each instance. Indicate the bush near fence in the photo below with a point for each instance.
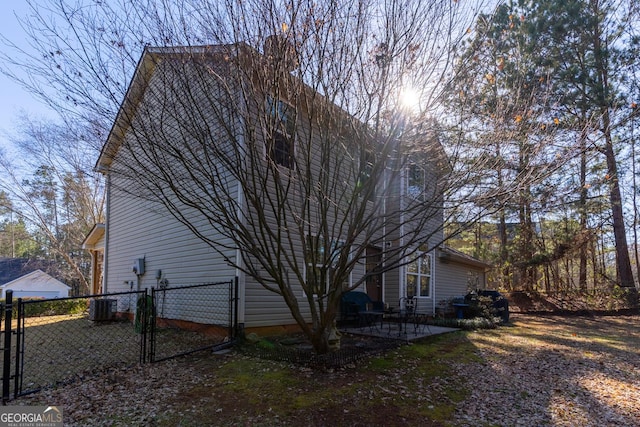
(47, 307)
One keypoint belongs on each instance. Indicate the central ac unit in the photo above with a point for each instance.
(102, 309)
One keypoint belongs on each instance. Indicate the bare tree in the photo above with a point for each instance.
(293, 105)
(55, 190)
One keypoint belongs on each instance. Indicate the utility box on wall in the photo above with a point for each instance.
(138, 266)
(102, 309)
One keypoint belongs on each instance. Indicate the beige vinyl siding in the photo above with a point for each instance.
(140, 228)
(199, 305)
(395, 280)
(455, 279)
(99, 243)
(392, 287)
(265, 308)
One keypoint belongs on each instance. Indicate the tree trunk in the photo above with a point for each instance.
(625, 274)
(634, 192)
(506, 281)
(623, 261)
(582, 275)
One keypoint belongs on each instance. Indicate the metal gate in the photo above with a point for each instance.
(186, 319)
(9, 371)
(111, 330)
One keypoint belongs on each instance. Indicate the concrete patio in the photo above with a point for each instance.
(392, 330)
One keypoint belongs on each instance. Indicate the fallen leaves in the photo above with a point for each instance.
(555, 371)
(541, 370)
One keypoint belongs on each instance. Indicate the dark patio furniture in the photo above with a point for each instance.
(409, 313)
(358, 307)
(460, 305)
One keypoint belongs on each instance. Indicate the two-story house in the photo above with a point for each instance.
(220, 159)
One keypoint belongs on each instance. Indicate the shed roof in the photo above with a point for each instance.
(37, 279)
(12, 268)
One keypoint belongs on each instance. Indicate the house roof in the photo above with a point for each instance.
(447, 254)
(37, 279)
(12, 268)
(147, 65)
(141, 77)
(94, 236)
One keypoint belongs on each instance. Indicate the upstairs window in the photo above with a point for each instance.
(280, 141)
(364, 177)
(415, 182)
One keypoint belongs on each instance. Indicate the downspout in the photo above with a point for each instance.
(94, 271)
(240, 277)
(384, 232)
(105, 261)
(401, 200)
(238, 273)
(433, 281)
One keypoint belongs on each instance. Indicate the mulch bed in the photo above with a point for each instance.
(297, 349)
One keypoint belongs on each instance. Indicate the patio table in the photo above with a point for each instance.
(371, 318)
(396, 316)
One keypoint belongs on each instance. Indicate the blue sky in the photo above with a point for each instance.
(13, 98)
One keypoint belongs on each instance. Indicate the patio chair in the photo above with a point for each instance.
(415, 314)
(358, 306)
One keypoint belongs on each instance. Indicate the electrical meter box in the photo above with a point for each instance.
(138, 266)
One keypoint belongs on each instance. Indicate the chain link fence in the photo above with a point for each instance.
(8, 348)
(61, 340)
(47, 342)
(190, 318)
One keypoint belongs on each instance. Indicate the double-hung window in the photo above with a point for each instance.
(418, 276)
(415, 182)
(281, 134)
(322, 263)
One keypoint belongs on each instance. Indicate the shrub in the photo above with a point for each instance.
(488, 304)
(49, 307)
(468, 324)
(481, 307)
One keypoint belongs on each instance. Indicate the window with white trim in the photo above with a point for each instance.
(418, 276)
(281, 135)
(416, 181)
(318, 269)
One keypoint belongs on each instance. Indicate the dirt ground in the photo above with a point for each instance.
(538, 370)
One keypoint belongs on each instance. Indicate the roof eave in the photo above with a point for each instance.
(93, 236)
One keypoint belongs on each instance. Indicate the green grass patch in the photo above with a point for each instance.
(413, 368)
(381, 364)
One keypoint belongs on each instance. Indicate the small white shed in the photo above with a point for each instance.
(36, 284)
